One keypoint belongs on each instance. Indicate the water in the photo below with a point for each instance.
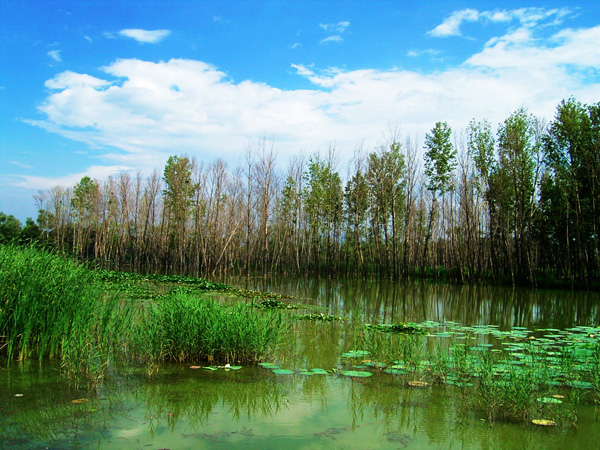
(253, 408)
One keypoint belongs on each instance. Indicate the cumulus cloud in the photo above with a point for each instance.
(139, 112)
(145, 36)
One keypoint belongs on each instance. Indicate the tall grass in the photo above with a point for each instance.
(51, 307)
(185, 328)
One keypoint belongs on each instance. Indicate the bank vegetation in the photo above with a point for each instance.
(516, 204)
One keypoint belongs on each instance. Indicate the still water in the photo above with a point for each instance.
(255, 408)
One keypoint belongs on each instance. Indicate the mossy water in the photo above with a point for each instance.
(307, 394)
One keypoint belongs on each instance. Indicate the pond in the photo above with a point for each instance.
(302, 407)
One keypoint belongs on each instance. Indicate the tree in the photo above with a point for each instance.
(323, 198)
(514, 188)
(85, 203)
(571, 188)
(440, 162)
(10, 228)
(386, 178)
(31, 231)
(178, 195)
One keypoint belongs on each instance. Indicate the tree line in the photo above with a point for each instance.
(517, 204)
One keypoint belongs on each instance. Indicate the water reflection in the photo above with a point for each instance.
(390, 301)
(183, 408)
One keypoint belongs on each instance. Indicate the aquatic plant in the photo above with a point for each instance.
(402, 327)
(185, 328)
(270, 303)
(51, 307)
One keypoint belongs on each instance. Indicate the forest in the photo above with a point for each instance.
(517, 204)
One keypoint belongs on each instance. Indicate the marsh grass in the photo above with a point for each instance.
(187, 328)
(52, 307)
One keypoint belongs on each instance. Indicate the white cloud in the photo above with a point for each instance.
(140, 112)
(45, 183)
(334, 38)
(55, 55)
(145, 36)
(21, 165)
(339, 27)
(527, 17)
(451, 25)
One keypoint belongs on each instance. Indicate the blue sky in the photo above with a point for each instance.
(98, 87)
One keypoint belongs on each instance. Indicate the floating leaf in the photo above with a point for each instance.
(417, 383)
(318, 371)
(80, 400)
(548, 400)
(356, 373)
(210, 368)
(195, 367)
(283, 372)
(356, 354)
(544, 422)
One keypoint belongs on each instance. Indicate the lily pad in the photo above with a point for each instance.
(356, 373)
(283, 372)
(544, 422)
(356, 354)
(549, 400)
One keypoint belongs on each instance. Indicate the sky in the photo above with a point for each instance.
(94, 88)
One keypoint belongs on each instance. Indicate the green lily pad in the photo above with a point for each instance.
(356, 354)
(548, 400)
(356, 373)
(283, 372)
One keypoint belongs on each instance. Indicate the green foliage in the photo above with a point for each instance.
(10, 228)
(118, 278)
(184, 328)
(51, 307)
(440, 158)
(319, 317)
(570, 190)
(406, 327)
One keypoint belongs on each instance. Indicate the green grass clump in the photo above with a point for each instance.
(185, 328)
(50, 307)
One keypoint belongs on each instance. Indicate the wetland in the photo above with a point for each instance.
(349, 363)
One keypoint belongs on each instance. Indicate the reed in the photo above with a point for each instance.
(186, 328)
(52, 307)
